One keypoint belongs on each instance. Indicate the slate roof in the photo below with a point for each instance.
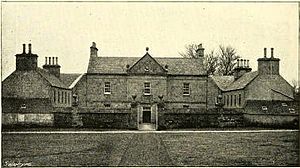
(68, 79)
(53, 80)
(118, 65)
(30, 84)
(223, 81)
(243, 81)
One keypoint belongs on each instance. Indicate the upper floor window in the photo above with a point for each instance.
(107, 88)
(147, 88)
(235, 102)
(231, 100)
(186, 89)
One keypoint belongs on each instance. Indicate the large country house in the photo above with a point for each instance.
(130, 92)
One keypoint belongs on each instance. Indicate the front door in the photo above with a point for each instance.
(146, 114)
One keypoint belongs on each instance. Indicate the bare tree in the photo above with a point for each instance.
(210, 60)
(210, 63)
(190, 51)
(227, 60)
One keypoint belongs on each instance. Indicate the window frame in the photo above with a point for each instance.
(107, 88)
(186, 91)
(147, 89)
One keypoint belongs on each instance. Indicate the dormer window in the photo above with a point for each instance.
(107, 89)
(147, 88)
(264, 108)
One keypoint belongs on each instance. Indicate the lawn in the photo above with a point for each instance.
(152, 149)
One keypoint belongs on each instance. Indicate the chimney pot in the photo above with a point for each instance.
(272, 51)
(56, 60)
(49, 60)
(53, 61)
(45, 60)
(24, 48)
(29, 48)
(242, 62)
(265, 52)
(238, 62)
(247, 63)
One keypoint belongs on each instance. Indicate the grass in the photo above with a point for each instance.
(176, 149)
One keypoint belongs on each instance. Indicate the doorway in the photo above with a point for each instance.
(146, 114)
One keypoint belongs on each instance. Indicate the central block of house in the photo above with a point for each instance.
(144, 85)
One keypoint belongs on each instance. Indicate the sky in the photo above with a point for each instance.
(67, 30)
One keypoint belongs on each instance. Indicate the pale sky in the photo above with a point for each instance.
(67, 30)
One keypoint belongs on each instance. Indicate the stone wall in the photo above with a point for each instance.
(272, 120)
(27, 119)
(199, 118)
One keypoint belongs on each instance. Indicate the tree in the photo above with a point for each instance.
(210, 63)
(190, 51)
(227, 60)
(222, 63)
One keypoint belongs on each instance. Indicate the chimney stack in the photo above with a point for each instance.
(265, 52)
(272, 50)
(26, 61)
(52, 66)
(94, 50)
(200, 51)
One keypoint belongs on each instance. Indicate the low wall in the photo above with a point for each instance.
(199, 118)
(105, 120)
(27, 119)
(272, 120)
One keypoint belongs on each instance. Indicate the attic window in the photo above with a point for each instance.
(292, 110)
(284, 104)
(146, 69)
(265, 108)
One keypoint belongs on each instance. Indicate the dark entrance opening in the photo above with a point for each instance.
(147, 115)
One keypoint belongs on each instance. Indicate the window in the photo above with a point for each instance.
(231, 101)
(147, 88)
(58, 96)
(224, 100)
(235, 102)
(186, 106)
(292, 110)
(186, 89)
(66, 98)
(107, 89)
(54, 96)
(265, 108)
(107, 105)
(227, 100)
(240, 99)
